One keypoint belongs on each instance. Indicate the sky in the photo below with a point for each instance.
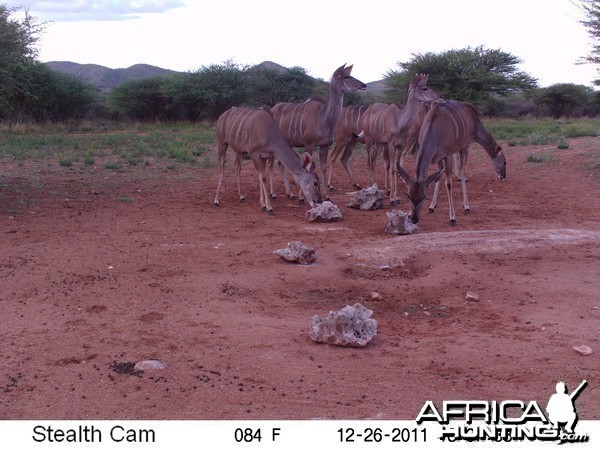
(318, 35)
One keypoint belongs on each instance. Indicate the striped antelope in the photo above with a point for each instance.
(311, 124)
(346, 137)
(253, 131)
(448, 128)
(390, 126)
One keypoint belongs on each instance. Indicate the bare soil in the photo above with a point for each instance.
(99, 269)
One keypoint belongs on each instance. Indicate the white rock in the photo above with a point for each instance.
(297, 252)
(150, 364)
(583, 350)
(324, 212)
(472, 296)
(370, 198)
(399, 222)
(349, 327)
(376, 296)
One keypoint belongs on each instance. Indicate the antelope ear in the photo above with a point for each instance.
(307, 162)
(340, 70)
(433, 178)
(403, 174)
(348, 69)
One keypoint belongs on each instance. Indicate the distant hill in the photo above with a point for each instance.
(105, 78)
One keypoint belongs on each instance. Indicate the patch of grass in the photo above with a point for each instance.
(66, 162)
(562, 144)
(124, 200)
(541, 131)
(541, 157)
(113, 165)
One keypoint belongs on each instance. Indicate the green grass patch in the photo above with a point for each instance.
(66, 162)
(112, 165)
(541, 131)
(184, 142)
(541, 157)
(124, 200)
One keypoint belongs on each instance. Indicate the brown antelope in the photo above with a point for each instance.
(389, 127)
(448, 128)
(310, 124)
(346, 137)
(254, 131)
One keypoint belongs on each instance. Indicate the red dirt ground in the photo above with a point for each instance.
(88, 281)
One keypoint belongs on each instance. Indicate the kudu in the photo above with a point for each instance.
(346, 137)
(389, 127)
(311, 124)
(255, 132)
(448, 128)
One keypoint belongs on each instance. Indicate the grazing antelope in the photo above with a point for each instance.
(310, 124)
(346, 137)
(448, 128)
(389, 127)
(254, 131)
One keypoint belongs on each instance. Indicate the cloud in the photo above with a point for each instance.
(76, 10)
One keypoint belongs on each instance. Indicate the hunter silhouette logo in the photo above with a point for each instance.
(509, 420)
(561, 406)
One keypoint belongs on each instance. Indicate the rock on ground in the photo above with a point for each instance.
(399, 222)
(352, 326)
(324, 212)
(297, 252)
(370, 198)
(150, 364)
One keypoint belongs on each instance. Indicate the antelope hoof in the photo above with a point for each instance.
(273, 196)
(331, 189)
(242, 199)
(452, 222)
(301, 201)
(357, 186)
(467, 210)
(291, 196)
(327, 198)
(270, 212)
(216, 204)
(431, 210)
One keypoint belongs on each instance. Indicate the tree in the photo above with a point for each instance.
(17, 53)
(474, 75)
(562, 98)
(140, 99)
(208, 92)
(270, 86)
(591, 10)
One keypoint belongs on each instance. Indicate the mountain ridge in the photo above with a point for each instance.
(106, 79)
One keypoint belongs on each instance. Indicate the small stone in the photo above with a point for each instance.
(351, 326)
(399, 222)
(324, 212)
(472, 296)
(370, 198)
(150, 364)
(376, 296)
(583, 350)
(297, 252)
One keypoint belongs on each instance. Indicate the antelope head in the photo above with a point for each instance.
(417, 190)
(343, 78)
(419, 91)
(309, 181)
(499, 163)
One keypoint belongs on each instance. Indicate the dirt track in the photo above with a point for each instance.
(87, 281)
